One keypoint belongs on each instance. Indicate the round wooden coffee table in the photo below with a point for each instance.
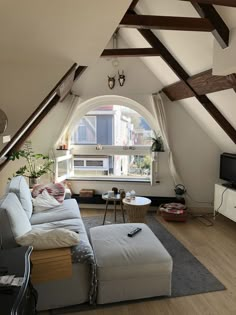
(137, 208)
(114, 199)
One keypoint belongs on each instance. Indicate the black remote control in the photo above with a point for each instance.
(133, 232)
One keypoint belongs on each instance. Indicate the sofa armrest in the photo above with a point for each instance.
(51, 264)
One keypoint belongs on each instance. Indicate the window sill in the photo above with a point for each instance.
(110, 179)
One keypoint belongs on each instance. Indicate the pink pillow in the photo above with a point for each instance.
(56, 190)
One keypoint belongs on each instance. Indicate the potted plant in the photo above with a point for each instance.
(157, 145)
(37, 164)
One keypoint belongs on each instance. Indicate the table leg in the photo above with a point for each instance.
(115, 209)
(105, 212)
(122, 210)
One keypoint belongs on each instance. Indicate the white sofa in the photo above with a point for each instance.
(17, 218)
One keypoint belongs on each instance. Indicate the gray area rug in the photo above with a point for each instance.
(189, 275)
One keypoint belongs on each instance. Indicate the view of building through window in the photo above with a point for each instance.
(118, 139)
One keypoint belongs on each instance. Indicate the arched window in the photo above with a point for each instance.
(112, 141)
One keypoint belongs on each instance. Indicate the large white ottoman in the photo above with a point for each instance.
(130, 268)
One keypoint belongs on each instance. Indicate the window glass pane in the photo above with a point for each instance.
(117, 165)
(112, 125)
(85, 132)
(62, 168)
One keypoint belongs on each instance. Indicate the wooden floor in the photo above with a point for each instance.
(215, 247)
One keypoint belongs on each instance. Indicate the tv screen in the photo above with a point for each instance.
(228, 167)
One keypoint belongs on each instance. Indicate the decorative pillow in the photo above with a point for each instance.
(44, 201)
(41, 239)
(56, 190)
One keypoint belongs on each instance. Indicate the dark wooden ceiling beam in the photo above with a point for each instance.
(166, 23)
(202, 83)
(36, 117)
(130, 52)
(227, 3)
(183, 75)
(178, 91)
(165, 54)
(79, 71)
(133, 4)
(221, 30)
(219, 118)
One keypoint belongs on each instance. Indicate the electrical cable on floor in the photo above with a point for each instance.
(205, 218)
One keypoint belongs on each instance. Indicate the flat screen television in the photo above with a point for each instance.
(228, 169)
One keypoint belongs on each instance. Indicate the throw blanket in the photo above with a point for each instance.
(83, 254)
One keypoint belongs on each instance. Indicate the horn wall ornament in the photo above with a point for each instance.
(111, 82)
(121, 78)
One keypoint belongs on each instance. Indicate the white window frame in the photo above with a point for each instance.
(117, 150)
(69, 167)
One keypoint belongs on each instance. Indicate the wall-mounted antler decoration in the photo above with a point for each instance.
(121, 78)
(111, 82)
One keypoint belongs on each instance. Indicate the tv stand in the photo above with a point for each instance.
(226, 197)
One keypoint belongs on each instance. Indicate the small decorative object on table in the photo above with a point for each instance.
(174, 212)
(132, 194)
(115, 190)
(122, 194)
(128, 197)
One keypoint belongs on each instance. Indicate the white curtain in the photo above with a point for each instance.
(160, 116)
(73, 102)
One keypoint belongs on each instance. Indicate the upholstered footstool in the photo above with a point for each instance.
(130, 268)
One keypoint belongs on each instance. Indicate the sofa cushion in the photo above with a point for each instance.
(14, 216)
(19, 186)
(69, 209)
(48, 239)
(76, 225)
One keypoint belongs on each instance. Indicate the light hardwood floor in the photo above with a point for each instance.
(215, 247)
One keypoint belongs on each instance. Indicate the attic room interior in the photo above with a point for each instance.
(115, 119)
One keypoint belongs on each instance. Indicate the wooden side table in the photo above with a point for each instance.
(114, 199)
(137, 208)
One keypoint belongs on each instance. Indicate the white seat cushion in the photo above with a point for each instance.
(130, 267)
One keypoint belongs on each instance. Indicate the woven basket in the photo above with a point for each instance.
(136, 213)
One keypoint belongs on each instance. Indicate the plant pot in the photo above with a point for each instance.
(33, 181)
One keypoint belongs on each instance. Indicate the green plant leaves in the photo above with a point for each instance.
(37, 164)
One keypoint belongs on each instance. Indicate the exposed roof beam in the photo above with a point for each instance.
(133, 4)
(79, 71)
(220, 31)
(178, 91)
(35, 118)
(165, 54)
(227, 3)
(131, 52)
(166, 23)
(183, 75)
(202, 83)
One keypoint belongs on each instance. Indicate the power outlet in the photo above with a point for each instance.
(6, 139)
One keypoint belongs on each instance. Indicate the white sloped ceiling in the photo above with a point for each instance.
(194, 52)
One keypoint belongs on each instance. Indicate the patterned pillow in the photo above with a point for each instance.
(56, 190)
